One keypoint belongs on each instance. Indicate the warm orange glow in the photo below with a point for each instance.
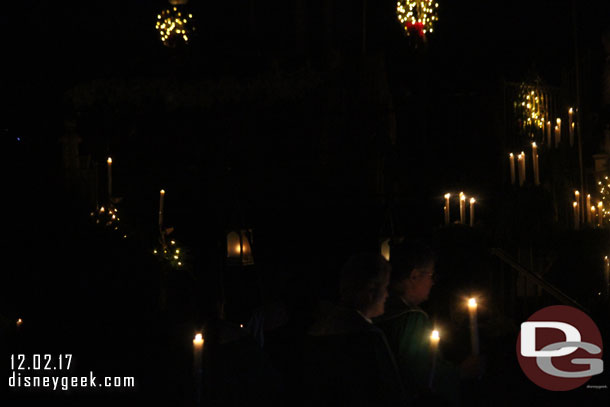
(109, 160)
(162, 192)
(198, 340)
(447, 196)
(19, 322)
(472, 303)
(435, 336)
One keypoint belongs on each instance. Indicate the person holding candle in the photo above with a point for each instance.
(347, 358)
(408, 328)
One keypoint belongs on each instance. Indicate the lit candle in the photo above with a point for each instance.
(549, 135)
(19, 322)
(588, 205)
(109, 161)
(607, 275)
(474, 330)
(462, 208)
(535, 163)
(521, 161)
(197, 366)
(511, 159)
(447, 209)
(600, 213)
(575, 205)
(577, 197)
(434, 340)
(571, 124)
(161, 201)
(558, 133)
(592, 215)
(472, 201)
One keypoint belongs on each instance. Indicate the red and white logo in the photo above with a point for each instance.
(560, 348)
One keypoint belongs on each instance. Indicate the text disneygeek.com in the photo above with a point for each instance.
(22, 365)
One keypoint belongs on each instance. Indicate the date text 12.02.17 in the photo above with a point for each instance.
(41, 362)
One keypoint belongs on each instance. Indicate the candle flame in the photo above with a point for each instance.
(198, 339)
(534, 144)
(162, 192)
(575, 204)
(20, 321)
(435, 336)
(558, 121)
(571, 111)
(511, 155)
(447, 196)
(472, 303)
(576, 193)
(109, 160)
(472, 200)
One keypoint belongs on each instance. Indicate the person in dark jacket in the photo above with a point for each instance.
(427, 375)
(347, 360)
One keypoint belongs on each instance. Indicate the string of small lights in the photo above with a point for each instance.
(604, 192)
(173, 254)
(531, 110)
(109, 218)
(417, 16)
(174, 26)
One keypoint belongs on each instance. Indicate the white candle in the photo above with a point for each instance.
(592, 215)
(607, 275)
(588, 205)
(600, 213)
(197, 366)
(462, 208)
(558, 132)
(511, 159)
(447, 209)
(474, 329)
(571, 124)
(575, 205)
(535, 163)
(472, 201)
(161, 202)
(549, 134)
(521, 161)
(434, 340)
(109, 161)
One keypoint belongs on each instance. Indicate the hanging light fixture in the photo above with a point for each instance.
(175, 24)
(239, 247)
(417, 16)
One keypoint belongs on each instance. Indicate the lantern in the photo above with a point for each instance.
(385, 249)
(417, 16)
(239, 249)
(175, 24)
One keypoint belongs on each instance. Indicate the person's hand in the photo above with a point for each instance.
(472, 367)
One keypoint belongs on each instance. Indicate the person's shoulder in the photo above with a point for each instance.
(342, 320)
(396, 309)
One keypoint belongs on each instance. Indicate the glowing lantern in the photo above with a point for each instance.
(385, 249)
(175, 24)
(417, 16)
(239, 250)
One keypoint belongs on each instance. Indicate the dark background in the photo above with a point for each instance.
(272, 118)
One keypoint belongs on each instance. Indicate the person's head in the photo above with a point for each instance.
(412, 271)
(364, 282)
